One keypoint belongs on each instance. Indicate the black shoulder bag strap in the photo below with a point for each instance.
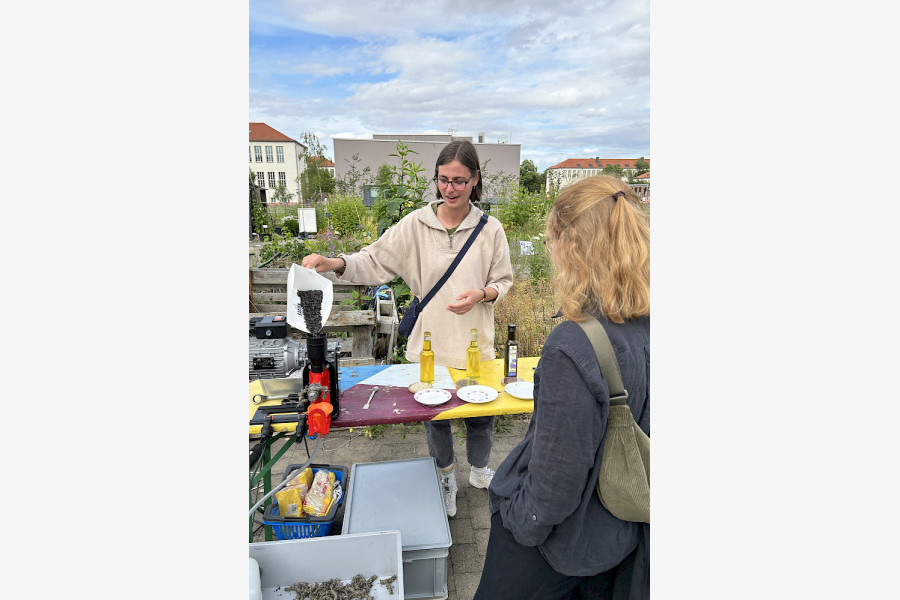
(606, 356)
(459, 257)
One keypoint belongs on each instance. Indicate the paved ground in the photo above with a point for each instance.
(470, 527)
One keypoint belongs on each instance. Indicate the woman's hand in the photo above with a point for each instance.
(321, 263)
(466, 301)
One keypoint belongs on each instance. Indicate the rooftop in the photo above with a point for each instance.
(260, 132)
(597, 163)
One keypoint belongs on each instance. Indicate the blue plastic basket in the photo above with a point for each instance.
(293, 528)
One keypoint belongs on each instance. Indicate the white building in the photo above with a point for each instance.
(573, 169)
(276, 160)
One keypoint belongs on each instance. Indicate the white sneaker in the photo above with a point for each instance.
(481, 478)
(449, 488)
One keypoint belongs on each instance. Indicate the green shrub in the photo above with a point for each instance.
(524, 210)
(345, 214)
(292, 249)
(291, 225)
(321, 219)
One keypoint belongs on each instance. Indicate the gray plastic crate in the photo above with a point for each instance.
(314, 560)
(404, 495)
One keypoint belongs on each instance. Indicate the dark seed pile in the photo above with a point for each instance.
(311, 305)
(357, 589)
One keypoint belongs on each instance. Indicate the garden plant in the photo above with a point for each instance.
(345, 225)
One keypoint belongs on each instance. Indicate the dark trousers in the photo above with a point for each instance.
(479, 439)
(516, 572)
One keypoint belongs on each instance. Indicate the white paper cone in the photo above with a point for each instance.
(301, 278)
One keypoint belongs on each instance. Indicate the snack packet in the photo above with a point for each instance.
(318, 499)
(290, 502)
(305, 477)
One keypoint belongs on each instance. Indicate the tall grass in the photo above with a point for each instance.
(530, 306)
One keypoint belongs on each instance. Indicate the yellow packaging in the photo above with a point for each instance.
(318, 499)
(304, 478)
(290, 502)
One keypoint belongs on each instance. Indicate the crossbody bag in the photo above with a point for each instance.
(416, 306)
(624, 482)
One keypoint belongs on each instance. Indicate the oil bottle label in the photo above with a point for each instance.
(511, 371)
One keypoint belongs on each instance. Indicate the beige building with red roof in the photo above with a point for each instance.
(276, 160)
(572, 169)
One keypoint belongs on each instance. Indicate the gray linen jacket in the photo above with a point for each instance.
(545, 489)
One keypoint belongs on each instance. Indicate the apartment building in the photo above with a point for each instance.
(501, 158)
(276, 160)
(572, 169)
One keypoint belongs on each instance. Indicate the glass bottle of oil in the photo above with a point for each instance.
(510, 357)
(426, 361)
(473, 358)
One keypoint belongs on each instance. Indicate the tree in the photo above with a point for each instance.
(402, 193)
(529, 178)
(316, 182)
(553, 179)
(352, 183)
(383, 180)
(282, 195)
(495, 186)
(259, 216)
(641, 166)
(613, 170)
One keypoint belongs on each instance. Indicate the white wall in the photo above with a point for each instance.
(291, 167)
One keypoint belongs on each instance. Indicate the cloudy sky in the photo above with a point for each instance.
(564, 80)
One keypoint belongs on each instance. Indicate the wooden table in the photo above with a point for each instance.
(394, 403)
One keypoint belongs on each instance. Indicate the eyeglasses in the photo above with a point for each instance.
(458, 184)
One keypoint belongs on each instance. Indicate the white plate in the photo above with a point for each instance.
(524, 390)
(432, 396)
(477, 393)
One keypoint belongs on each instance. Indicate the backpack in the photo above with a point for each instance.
(624, 481)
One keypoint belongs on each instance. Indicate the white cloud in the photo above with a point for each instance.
(555, 81)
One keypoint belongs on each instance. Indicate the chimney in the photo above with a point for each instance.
(480, 137)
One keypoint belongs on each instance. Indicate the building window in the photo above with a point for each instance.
(250, 152)
(271, 180)
(261, 179)
(282, 180)
(258, 151)
(269, 154)
(279, 152)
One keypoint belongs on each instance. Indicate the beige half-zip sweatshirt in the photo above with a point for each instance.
(419, 250)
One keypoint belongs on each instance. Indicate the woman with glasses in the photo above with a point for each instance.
(420, 248)
(551, 537)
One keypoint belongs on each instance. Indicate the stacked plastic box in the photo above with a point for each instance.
(316, 560)
(404, 495)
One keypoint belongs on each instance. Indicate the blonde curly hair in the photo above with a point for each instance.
(599, 242)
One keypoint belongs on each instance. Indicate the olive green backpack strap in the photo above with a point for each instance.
(607, 359)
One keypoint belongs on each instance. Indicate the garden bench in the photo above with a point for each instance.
(366, 336)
